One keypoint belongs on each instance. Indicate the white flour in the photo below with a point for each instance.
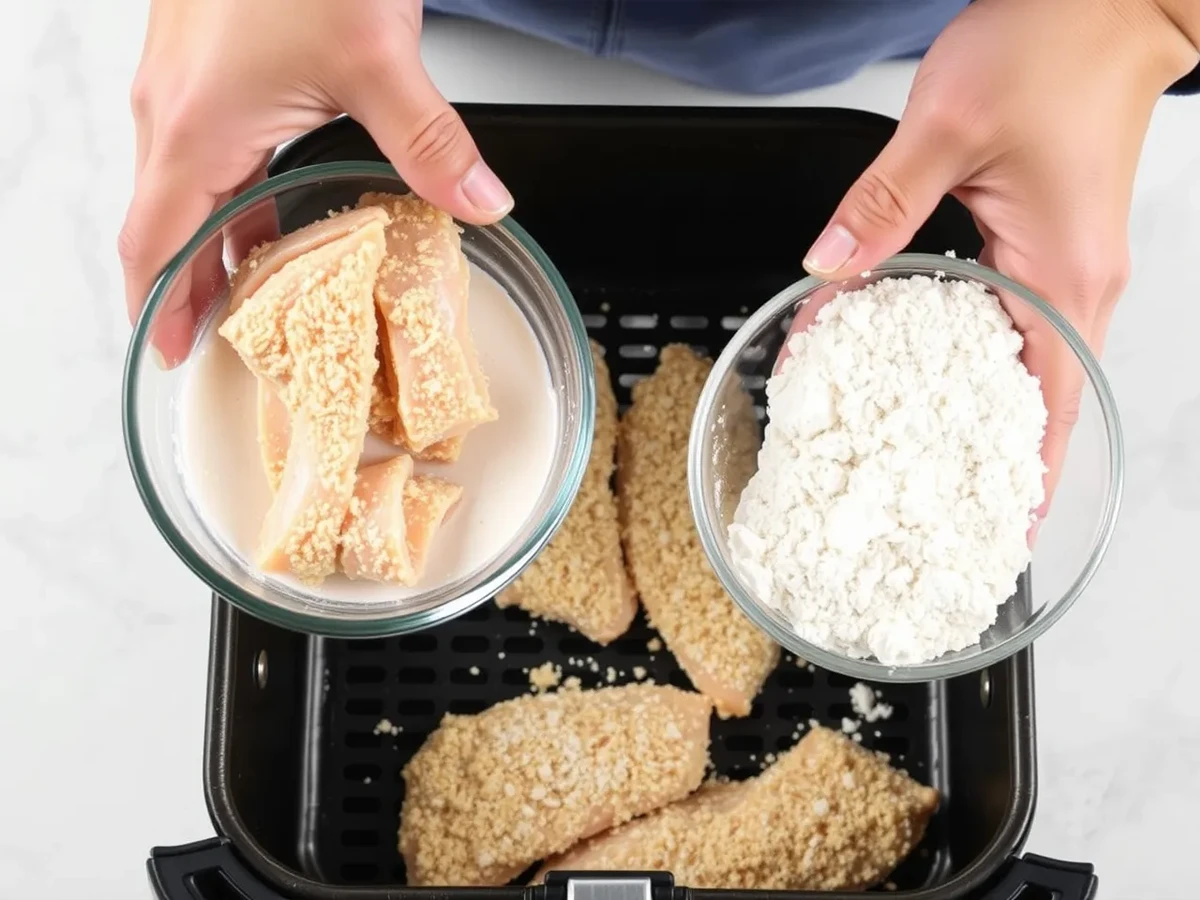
(898, 474)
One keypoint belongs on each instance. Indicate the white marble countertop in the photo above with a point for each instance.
(102, 662)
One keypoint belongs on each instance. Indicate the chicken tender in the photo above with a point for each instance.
(724, 654)
(374, 540)
(428, 354)
(267, 259)
(828, 816)
(427, 502)
(580, 577)
(274, 432)
(309, 330)
(384, 419)
(488, 795)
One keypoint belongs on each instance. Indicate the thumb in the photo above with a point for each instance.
(427, 142)
(883, 209)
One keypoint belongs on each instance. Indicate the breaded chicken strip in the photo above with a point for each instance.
(828, 816)
(724, 654)
(487, 796)
(580, 577)
(309, 330)
(427, 502)
(384, 420)
(428, 354)
(274, 432)
(374, 539)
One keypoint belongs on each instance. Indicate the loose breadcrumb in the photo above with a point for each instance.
(310, 331)
(385, 726)
(545, 676)
(580, 577)
(488, 795)
(722, 652)
(827, 816)
(639, 672)
(429, 353)
(654, 645)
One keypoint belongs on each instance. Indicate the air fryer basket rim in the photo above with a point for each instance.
(233, 829)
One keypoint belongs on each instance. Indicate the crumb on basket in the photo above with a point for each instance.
(385, 726)
(544, 677)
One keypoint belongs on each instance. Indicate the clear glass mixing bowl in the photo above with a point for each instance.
(1070, 542)
(151, 402)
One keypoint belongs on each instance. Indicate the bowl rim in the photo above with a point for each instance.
(315, 622)
(870, 669)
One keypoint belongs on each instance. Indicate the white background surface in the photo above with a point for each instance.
(105, 633)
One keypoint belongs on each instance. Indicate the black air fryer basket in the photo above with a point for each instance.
(668, 225)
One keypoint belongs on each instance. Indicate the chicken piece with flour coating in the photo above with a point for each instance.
(723, 652)
(827, 816)
(580, 577)
(308, 329)
(427, 349)
(488, 795)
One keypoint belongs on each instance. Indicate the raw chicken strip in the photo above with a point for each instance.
(274, 432)
(580, 577)
(374, 540)
(722, 652)
(309, 329)
(427, 502)
(487, 796)
(828, 816)
(267, 259)
(429, 354)
(384, 418)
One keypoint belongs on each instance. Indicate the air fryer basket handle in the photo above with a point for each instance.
(201, 870)
(1044, 877)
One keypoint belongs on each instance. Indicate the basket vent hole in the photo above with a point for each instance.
(360, 805)
(638, 351)
(362, 772)
(467, 707)
(744, 743)
(360, 837)
(595, 320)
(366, 646)
(470, 643)
(364, 706)
(473, 675)
(689, 323)
(362, 740)
(365, 675)
(732, 323)
(523, 645)
(795, 712)
(416, 707)
(639, 322)
(416, 675)
(418, 643)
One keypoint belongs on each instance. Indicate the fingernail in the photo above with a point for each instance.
(159, 360)
(832, 250)
(485, 191)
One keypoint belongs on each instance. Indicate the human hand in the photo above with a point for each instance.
(1031, 113)
(223, 82)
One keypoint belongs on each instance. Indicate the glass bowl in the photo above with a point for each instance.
(1071, 539)
(198, 277)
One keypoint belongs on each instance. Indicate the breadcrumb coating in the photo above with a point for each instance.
(723, 653)
(827, 816)
(427, 503)
(488, 795)
(266, 259)
(384, 419)
(422, 293)
(580, 577)
(309, 330)
(374, 543)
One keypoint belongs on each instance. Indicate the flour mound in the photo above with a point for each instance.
(898, 474)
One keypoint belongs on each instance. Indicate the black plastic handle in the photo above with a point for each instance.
(205, 870)
(1032, 877)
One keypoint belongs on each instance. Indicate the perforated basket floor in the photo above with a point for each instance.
(484, 657)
